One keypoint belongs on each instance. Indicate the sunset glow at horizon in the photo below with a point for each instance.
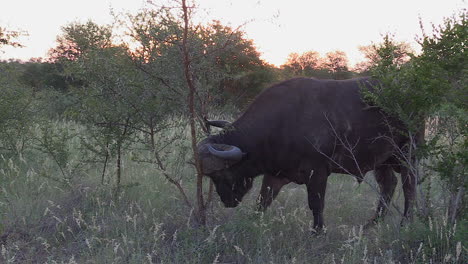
(277, 27)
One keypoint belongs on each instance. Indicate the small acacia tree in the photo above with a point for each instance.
(16, 102)
(193, 69)
(165, 66)
(389, 51)
(106, 105)
(106, 79)
(16, 111)
(336, 62)
(214, 56)
(309, 64)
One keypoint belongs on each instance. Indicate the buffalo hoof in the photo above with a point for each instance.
(372, 222)
(405, 221)
(318, 231)
(260, 208)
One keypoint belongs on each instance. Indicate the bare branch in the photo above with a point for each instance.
(171, 180)
(350, 149)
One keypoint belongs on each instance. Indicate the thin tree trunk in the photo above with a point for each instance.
(104, 169)
(105, 164)
(201, 212)
(119, 168)
(119, 155)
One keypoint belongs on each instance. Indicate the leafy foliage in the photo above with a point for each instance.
(43, 75)
(431, 90)
(79, 38)
(337, 63)
(7, 37)
(389, 52)
(17, 110)
(240, 73)
(305, 64)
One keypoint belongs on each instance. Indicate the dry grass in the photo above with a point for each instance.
(81, 221)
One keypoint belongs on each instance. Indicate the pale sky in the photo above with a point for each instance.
(278, 27)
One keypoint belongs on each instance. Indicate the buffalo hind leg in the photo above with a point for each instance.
(387, 181)
(271, 186)
(316, 196)
(408, 180)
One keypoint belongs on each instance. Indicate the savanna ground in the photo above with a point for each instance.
(66, 215)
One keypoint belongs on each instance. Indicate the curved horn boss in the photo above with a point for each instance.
(229, 152)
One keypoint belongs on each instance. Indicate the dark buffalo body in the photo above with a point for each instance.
(301, 131)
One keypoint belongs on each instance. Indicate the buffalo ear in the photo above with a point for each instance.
(212, 164)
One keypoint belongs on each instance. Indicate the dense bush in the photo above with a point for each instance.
(429, 94)
(17, 111)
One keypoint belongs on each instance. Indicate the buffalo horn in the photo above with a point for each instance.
(232, 153)
(218, 123)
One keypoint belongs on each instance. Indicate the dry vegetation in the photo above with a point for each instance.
(49, 218)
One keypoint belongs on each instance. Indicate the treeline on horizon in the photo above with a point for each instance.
(149, 39)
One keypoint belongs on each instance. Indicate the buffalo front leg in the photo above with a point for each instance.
(271, 185)
(387, 182)
(316, 195)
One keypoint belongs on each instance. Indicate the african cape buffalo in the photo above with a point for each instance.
(301, 131)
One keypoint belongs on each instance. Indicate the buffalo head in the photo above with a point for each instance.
(223, 164)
